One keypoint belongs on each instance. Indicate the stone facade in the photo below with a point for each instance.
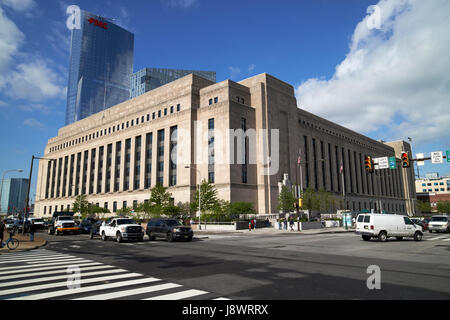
(257, 133)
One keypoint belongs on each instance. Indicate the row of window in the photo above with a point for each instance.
(354, 178)
(429, 184)
(71, 172)
(435, 190)
(124, 125)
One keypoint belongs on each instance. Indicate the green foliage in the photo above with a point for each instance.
(208, 195)
(443, 207)
(286, 200)
(124, 211)
(321, 200)
(238, 208)
(423, 206)
(81, 204)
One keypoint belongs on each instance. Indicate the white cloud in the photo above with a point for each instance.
(10, 40)
(33, 123)
(19, 5)
(184, 4)
(395, 79)
(234, 72)
(35, 81)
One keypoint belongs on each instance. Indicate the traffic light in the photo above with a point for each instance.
(405, 160)
(368, 162)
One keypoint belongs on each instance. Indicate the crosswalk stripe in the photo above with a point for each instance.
(436, 238)
(44, 273)
(64, 276)
(85, 289)
(132, 292)
(446, 239)
(14, 258)
(60, 284)
(55, 261)
(44, 267)
(221, 298)
(179, 295)
(36, 259)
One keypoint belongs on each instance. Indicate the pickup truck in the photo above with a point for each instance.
(62, 223)
(122, 229)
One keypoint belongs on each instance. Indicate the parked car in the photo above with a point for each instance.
(9, 224)
(383, 226)
(169, 229)
(439, 223)
(62, 223)
(19, 225)
(38, 223)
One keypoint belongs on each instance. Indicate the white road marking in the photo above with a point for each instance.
(132, 292)
(64, 276)
(24, 269)
(86, 289)
(179, 295)
(62, 284)
(36, 259)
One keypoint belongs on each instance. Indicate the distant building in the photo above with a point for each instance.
(151, 78)
(433, 189)
(13, 195)
(101, 63)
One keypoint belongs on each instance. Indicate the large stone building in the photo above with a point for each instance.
(192, 129)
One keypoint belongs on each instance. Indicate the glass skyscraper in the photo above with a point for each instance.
(14, 192)
(150, 78)
(101, 63)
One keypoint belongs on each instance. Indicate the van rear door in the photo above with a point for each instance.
(363, 223)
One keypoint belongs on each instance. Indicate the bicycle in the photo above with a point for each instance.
(11, 243)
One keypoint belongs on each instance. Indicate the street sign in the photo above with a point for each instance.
(392, 163)
(436, 157)
(420, 156)
(448, 155)
(383, 163)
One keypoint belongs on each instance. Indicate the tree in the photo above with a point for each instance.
(286, 200)
(124, 211)
(238, 208)
(208, 195)
(81, 205)
(443, 207)
(311, 200)
(423, 206)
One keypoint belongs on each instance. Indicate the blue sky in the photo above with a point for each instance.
(317, 46)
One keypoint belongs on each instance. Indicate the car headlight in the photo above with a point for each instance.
(176, 229)
(122, 229)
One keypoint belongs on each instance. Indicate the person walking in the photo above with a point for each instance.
(32, 230)
(93, 230)
(291, 223)
(285, 224)
(250, 225)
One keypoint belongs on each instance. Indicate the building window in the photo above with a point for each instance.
(165, 111)
(159, 114)
(115, 206)
(210, 101)
(216, 99)
(171, 109)
(178, 108)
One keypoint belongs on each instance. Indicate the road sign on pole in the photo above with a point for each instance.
(383, 163)
(420, 156)
(392, 163)
(436, 157)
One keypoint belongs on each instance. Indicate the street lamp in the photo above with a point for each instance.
(28, 189)
(3, 178)
(199, 199)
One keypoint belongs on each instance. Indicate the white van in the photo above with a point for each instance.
(383, 226)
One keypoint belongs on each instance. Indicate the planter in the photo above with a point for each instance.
(310, 225)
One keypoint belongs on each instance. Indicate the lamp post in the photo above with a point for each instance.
(199, 199)
(28, 189)
(3, 178)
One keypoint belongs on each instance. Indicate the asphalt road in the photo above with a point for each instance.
(279, 266)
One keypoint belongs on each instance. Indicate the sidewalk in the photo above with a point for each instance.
(275, 231)
(24, 243)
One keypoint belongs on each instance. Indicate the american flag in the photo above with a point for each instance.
(341, 169)
(299, 160)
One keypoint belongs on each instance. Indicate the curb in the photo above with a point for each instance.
(27, 249)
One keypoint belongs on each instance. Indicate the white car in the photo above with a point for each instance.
(439, 223)
(122, 229)
(383, 226)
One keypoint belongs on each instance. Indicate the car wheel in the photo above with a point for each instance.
(104, 237)
(418, 236)
(366, 238)
(382, 236)
(151, 237)
(188, 239)
(399, 238)
(170, 237)
(118, 237)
